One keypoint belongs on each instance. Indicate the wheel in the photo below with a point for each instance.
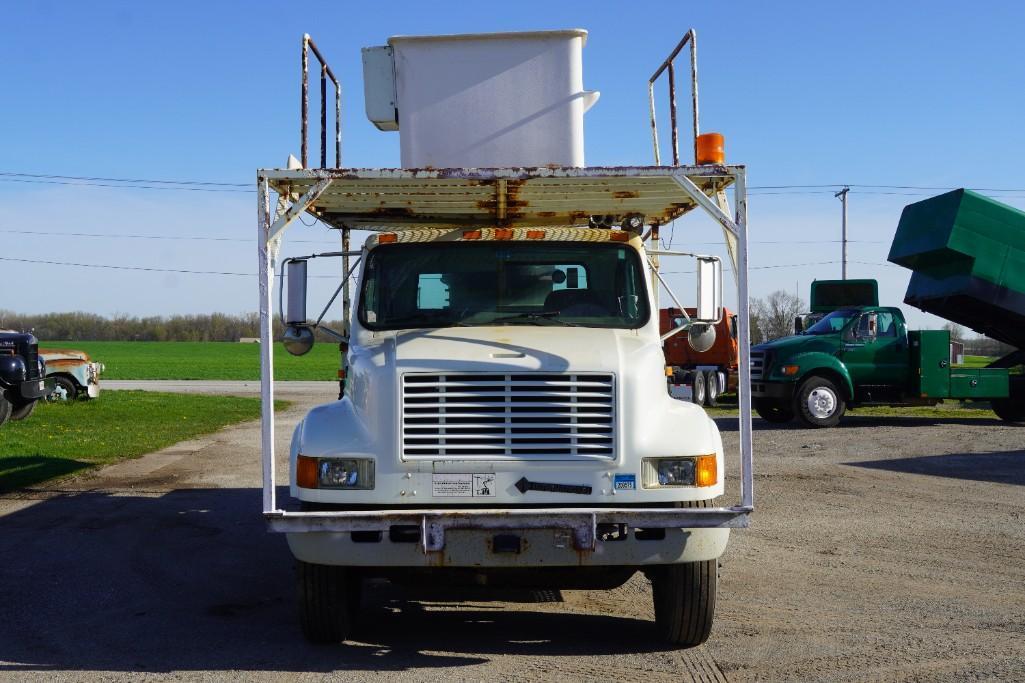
(773, 411)
(711, 388)
(5, 408)
(819, 403)
(1009, 409)
(67, 385)
(697, 388)
(23, 411)
(329, 598)
(684, 598)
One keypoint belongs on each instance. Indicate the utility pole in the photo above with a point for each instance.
(842, 194)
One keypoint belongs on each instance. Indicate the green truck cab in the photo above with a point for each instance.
(967, 254)
(862, 355)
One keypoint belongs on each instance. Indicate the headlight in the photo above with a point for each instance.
(334, 473)
(670, 472)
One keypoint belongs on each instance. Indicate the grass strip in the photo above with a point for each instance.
(63, 438)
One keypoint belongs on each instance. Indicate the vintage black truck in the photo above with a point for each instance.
(22, 376)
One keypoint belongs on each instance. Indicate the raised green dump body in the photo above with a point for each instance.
(967, 254)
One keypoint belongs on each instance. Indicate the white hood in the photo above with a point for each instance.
(512, 348)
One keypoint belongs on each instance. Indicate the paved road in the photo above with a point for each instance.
(237, 388)
(884, 550)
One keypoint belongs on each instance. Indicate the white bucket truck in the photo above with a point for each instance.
(504, 417)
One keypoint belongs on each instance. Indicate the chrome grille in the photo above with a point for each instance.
(757, 364)
(521, 416)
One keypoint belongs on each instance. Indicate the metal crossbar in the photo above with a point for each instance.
(669, 66)
(325, 74)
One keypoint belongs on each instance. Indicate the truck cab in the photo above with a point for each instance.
(23, 378)
(852, 355)
(503, 417)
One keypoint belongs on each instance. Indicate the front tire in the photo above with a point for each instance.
(69, 387)
(684, 598)
(698, 388)
(1009, 409)
(329, 598)
(5, 408)
(23, 411)
(773, 411)
(819, 403)
(711, 388)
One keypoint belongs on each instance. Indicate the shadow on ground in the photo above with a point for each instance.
(17, 471)
(1006, 467)
(854, 421)
(190, 580)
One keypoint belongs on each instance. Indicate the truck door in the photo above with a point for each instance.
(875, 351)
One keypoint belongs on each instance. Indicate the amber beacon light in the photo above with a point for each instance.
(711, 149)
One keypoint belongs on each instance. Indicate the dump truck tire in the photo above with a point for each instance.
(698, 388)
(711, 388)
(329, 599)
(818, 403)
(1009, 409)
(23, 411)
(773, 411)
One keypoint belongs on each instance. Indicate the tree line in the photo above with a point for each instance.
(81, 326)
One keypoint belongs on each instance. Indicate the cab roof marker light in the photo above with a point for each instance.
(503, 234)
(535, 234)
(619, 236)
(471, 234)
(387, 238)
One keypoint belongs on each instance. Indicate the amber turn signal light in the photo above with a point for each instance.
(706, 473)
(306, 472)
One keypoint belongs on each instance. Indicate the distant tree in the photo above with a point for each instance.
(957, 332)
(775, 314)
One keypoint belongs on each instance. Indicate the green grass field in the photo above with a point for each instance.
(63, 438)
(948, 410)
(204, 360)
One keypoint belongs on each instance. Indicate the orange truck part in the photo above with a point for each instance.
(679, 353)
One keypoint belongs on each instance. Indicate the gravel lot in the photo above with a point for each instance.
(887, 549)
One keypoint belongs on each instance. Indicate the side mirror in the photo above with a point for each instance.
(709, 308)
(298, 339)
(798, 325)
(701, 337)
(295, 312)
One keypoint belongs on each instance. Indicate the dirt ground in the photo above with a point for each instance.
(887, 549)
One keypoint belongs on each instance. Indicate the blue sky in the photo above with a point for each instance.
(917, 93)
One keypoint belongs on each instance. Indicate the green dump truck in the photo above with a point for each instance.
(967, 254)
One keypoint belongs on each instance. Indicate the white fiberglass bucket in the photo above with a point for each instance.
(496, 99)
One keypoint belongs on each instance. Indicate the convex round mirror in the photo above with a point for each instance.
(701, 337)
(298, 340)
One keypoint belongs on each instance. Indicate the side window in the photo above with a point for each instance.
(887, 325)
(868, 325)
(431, 292)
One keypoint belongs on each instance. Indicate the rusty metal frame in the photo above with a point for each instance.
(434, 522)
(325, 74)
(668, 65)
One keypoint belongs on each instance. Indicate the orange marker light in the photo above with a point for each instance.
(306, 472)
(619, 235)
(535, 234)
(471, 234)
(711, 149)
(503, 234)
(706, 472)
(388, 238)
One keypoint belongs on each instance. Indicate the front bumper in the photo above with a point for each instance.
(36, 388)
(775, 390)
(543, 537)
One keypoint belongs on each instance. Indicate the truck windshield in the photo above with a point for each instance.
(834, 322)
(488, 283)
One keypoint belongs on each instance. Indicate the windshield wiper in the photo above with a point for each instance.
(536, 318)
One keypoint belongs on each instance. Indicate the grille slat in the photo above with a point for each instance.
(512, 416)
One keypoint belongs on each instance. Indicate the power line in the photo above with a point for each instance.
(146, 237)
(122, 180)
(147, 269)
